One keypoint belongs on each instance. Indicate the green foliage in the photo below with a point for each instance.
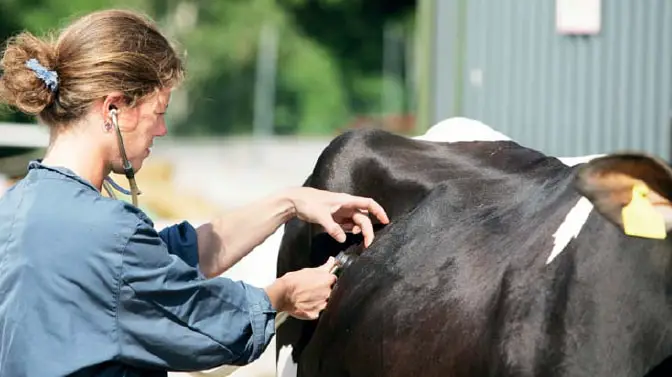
(329, 57)
(310, 74)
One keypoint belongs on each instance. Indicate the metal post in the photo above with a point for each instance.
(264, 91)
(425, 23)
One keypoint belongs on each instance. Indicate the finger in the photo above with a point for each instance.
(365, 225)
(356, 229)
(330, 280)
(302, 316)
(348, 226)
(313, 311)
(378, 211)
(328, 265)
(369, 205)
(333, 229)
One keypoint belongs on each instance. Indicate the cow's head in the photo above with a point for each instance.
(634, 191)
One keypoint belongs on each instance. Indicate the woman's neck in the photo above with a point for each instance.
(73, 150)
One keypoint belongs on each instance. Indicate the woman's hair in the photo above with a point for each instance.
(57, 79)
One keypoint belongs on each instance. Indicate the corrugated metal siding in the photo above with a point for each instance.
(446, 54)
(568, 95)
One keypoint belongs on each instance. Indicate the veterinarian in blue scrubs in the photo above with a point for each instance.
(87, 285)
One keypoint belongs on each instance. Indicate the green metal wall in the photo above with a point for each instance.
(502, 62)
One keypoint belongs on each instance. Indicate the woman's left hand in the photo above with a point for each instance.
(338, 212)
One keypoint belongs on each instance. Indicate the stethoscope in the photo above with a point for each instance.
(108, 183)
(343, 260)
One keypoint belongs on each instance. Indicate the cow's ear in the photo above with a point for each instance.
(634, 191)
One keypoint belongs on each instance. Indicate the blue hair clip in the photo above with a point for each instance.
(50, 78)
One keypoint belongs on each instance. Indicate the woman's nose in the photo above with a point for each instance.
(161, 130)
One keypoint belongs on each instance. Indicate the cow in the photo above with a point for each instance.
(498, 261)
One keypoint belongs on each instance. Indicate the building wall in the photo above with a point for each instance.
(504, 63)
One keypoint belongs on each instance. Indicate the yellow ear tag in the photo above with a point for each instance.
(640, 218)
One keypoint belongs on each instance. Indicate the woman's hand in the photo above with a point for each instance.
(303, 294)
(337, 212)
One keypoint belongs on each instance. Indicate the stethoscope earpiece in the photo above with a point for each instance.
(128, 168)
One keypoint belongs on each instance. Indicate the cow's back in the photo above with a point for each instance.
(461, 283)
(433, 292)
(399, 173)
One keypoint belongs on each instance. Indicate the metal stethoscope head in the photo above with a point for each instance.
(343, 260)
(128, 168)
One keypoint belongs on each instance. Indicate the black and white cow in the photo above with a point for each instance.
(498, 261)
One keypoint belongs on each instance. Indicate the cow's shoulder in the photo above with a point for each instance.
(364, 140)
(482, 146)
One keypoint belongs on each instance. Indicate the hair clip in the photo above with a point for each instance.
(50, 78)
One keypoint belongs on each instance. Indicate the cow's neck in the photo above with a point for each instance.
(618, 299)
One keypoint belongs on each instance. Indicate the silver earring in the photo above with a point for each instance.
(108, 126)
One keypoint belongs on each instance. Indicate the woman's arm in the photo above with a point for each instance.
(168, 317)
(227, 239)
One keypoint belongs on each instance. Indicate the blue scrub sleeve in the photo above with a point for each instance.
(170, 317)
(182, 240)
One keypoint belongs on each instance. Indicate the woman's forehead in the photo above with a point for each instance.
(158, 99)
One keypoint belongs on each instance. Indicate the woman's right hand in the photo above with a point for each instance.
(303, 294)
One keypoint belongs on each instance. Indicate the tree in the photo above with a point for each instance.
(329, 61)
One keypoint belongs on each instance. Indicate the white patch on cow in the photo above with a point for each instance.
(571, 161)
(577, 216)
(286, 365)
(464, 129)
(571, 227)
(457, 129)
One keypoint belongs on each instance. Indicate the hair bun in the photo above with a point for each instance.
(29, 79)
(107, 51)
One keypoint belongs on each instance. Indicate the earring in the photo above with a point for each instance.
(108, 126)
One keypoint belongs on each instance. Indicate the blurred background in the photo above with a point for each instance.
(270, 82)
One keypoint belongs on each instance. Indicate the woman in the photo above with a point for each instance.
(87, 286)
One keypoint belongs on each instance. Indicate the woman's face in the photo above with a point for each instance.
(139, 126)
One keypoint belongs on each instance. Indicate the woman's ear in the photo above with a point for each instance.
(113, 101)
(127, 115)
(633, 191)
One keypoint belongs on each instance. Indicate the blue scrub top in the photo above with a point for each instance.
(89, 288)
